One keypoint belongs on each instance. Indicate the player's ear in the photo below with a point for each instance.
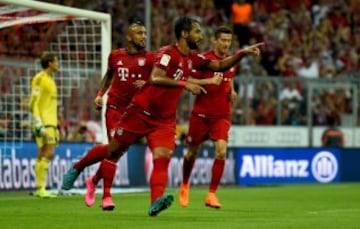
(128, 34)
(184, 34)
(128, 37)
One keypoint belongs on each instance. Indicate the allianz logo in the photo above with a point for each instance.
(323, 166)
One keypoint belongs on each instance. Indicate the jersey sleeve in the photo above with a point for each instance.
(34, 97)
(164, 59)
(200, 61)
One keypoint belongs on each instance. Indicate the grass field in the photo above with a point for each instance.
(291, 206)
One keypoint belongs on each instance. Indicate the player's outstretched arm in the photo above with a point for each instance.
(230, 61)
(158, 77)
(215, 80)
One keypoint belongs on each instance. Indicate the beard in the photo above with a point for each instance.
(192, 44)
(138, 46)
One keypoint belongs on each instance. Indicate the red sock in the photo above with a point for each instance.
(97, 176)
(95, 154)
(159, 177)
(217, 171)
(108, 170)
(187, 168)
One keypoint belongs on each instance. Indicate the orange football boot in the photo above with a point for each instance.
(212, 201)
(184, 194)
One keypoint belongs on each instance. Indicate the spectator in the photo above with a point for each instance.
(5, 124)
(241, 17)
(291, 94)
(81, 134)
(333, 136)
(22, 120)
(310, 69)
(265, 111)
(246, 89)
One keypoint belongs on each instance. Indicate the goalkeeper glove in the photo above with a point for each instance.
(38, 128)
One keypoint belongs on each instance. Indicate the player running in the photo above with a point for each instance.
(211, 119)
(128, 70)
(152, 112)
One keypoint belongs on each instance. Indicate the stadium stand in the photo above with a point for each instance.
(306, 41)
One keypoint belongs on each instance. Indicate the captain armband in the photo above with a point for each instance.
(100, 93)
(182, 83)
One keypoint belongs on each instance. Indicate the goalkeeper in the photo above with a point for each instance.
(43, 105)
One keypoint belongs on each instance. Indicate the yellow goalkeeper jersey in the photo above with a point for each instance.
(43, 102)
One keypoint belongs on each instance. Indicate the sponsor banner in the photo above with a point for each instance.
(201, 173)
(134, 168)
(17, 166)
(287, 165)
(350, 169)
(258, 136)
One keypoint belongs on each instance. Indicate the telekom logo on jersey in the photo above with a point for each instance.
(124, 74)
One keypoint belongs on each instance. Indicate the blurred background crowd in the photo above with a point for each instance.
(307, 42)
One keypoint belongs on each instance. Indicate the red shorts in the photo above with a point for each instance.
(135, 123)
(203, 128)
(112, 117)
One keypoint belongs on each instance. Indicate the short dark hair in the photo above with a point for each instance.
(136, 23)
(184, 24)
(46, 58)
(222, 29)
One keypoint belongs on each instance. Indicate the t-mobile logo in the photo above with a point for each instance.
(123, 73)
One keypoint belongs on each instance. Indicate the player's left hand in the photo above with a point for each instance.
(216, 80)
(39, 131)
(38, 128)
(253, 49)
(139, 83)
(195, 89)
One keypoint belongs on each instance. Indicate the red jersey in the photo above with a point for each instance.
(127, 68)
(161, 101)
(217, 100)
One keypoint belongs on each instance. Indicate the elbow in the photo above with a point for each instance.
(153, 80)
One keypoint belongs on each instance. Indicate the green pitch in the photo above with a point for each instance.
(291, 206)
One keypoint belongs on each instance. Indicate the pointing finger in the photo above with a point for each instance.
(203, 90)
(256, 45)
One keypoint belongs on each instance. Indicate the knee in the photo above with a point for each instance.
(116, 149)
(220, 153)
(48, 152)
(49, 156)
(162, 152)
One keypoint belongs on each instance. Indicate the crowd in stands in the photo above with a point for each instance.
(304, 39)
